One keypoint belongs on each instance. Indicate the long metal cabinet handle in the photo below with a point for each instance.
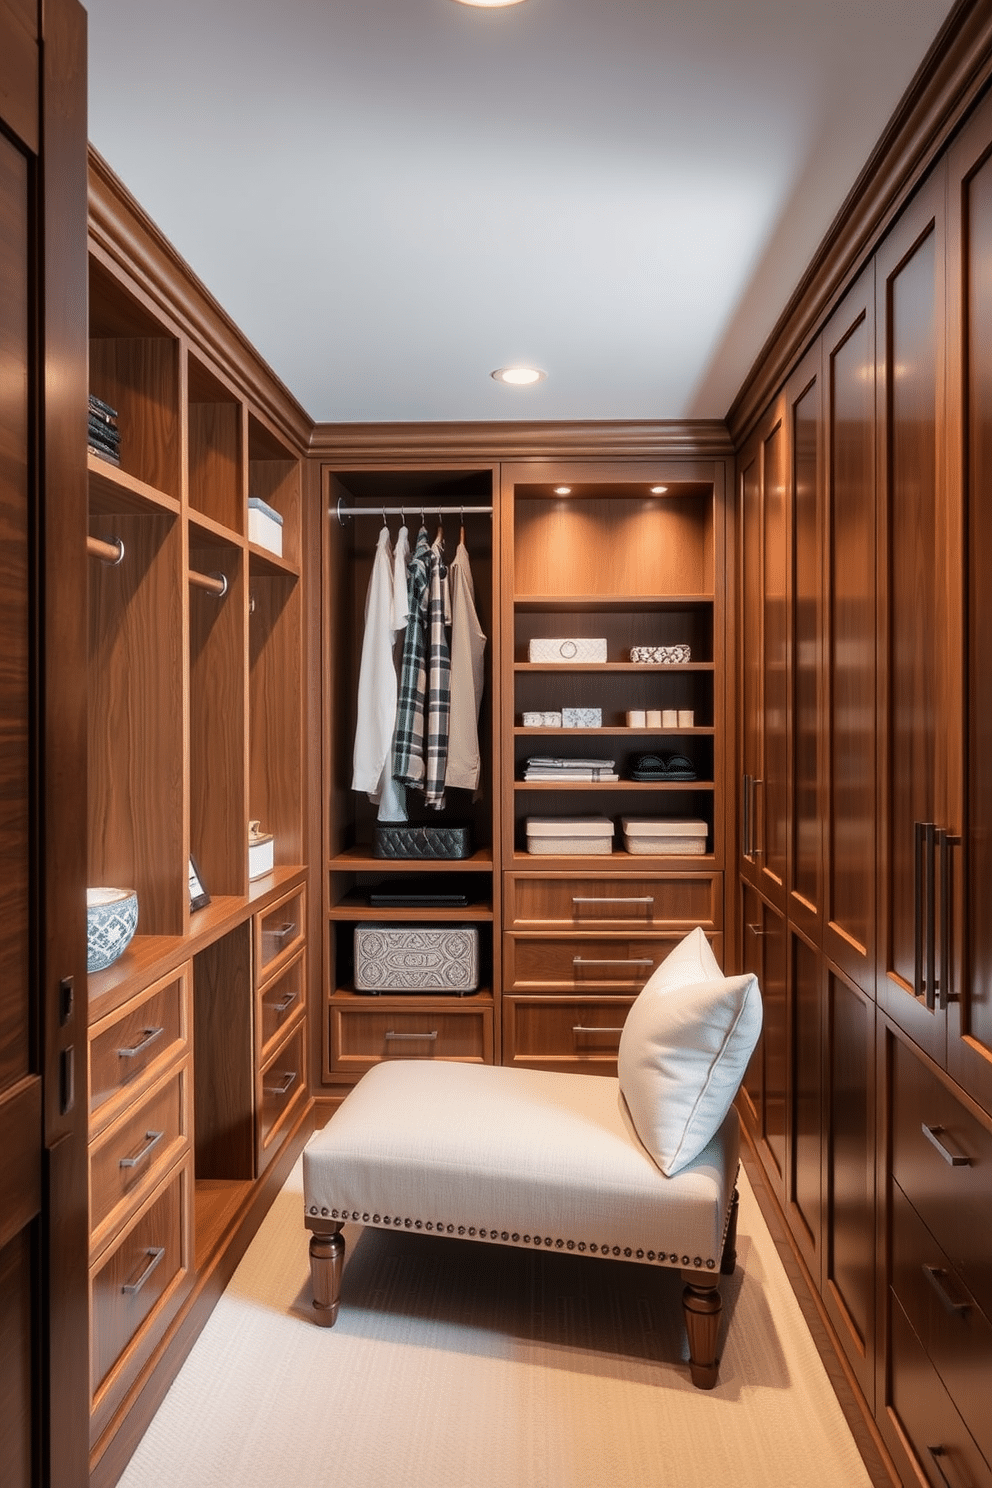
(746, 816)
(148, 1037)
(945, 842)
(935, 1134)
(612, 899)
(392, 1035)
(756, 851)
(937, 1277)
(152, 1139)
(287, 1080)
(280, 1007)
(155, 1254)
(919, 834)
(581, 1028)
(615, 961)
(930, 838)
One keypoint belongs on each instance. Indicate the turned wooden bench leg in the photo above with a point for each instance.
(701, 1306)
(326, 1265)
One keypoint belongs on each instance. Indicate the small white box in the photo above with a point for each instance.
(686, 718)
(567, 648)
(261, 853)
(637, 718)
(542, 720)
(264, 525)
(582, 718)
(569, 836)
(669, 717)
(643, 836)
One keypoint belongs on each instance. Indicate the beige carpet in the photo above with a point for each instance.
(460, 1365)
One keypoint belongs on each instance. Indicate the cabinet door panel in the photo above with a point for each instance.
(910, 291)
(849, 620)
(807, 628)
(805, 1099)
(775, 662)
(765, 1080)
(749, 524)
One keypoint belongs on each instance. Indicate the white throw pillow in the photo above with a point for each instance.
(684, 1049)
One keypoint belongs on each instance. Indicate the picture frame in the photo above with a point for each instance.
(198, 896)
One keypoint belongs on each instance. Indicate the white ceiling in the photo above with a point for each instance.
(393, 197)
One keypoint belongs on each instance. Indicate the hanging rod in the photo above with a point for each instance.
(215, 583)
(344, 512)
(107, 552)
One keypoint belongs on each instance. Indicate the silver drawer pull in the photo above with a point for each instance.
(580, 1028)
(612, 899)
(392, 1035)
(616, 961)
(956, 1159)
(148, 1037)
(282, 931)
(152, 1139)
(287, 1001)
(287, 1080)
(937, 1277)
(154, 1254)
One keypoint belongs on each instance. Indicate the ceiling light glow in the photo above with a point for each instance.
(489, 4)
(519, 376)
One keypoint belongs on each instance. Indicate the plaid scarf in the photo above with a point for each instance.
(408, 761)
(439, 680)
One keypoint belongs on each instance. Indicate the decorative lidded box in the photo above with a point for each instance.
(417, 958)
(572, 835)
(568, 648)
(661, 655)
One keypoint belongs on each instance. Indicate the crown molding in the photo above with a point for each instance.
(946, 86)
(488, 442)
(123, 235)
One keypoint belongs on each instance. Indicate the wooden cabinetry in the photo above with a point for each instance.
(627, 553)
(359, 1029)
(197, 1033)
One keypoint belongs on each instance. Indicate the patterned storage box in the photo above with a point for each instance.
(661, 655)
(406, 840)
(417, 958)
(542, 720)
(567, 648)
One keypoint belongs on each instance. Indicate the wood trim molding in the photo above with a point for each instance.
(947, 84)
(124, 233)
(483, 443)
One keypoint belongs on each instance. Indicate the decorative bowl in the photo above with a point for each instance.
(111, 920)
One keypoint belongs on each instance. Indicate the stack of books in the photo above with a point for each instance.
(541, 767)
(104, 437)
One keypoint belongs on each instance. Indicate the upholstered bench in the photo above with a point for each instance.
(640, 1168)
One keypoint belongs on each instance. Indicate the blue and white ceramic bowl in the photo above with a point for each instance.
(111, 920)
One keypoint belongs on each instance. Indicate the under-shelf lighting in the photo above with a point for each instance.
(658, 490)
(563, 490)
(519, 376)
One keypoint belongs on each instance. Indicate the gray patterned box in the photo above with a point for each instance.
(417, 958)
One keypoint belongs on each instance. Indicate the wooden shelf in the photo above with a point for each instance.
(360, 860)
(584, 786)
(631, 667)
(619, 731)
(112, 490)
(352, 907)
(610, 602)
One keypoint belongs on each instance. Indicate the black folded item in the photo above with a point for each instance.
(396, 840)
(419, 893)
(653, 767)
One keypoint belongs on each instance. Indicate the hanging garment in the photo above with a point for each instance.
(468, 644)
(392, 800)
(408, 764)
(377, 690)
(438, 679)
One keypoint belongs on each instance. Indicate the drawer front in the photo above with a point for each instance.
(131, 1156)
(585, 963)
(925, 1413)
(280, 1001)
(362, 1036)
(942, 1161)
(279, 934)
(131, 1290)
(282, 1087)
(677, 900)
(564, 1033)
(130, 1046)
(953, 1330)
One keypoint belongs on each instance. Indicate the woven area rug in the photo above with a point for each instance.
(456, 1364)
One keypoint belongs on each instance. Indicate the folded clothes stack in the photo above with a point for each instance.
(542, 767)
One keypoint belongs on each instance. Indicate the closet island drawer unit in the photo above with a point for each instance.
(130, 1045)
(363, 1032)
(582, 962)
(598, 902)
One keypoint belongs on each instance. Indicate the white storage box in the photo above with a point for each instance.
(542, 720)
(663, 838)
(571, 835)
(417, 958)
(264, 525)
(567, 648)
(261, 851)
(582, 718)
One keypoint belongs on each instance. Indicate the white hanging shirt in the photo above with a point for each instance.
(376, 677)
(392, 793)
(468, 644)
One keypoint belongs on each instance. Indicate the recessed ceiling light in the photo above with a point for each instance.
(658, 490)
(519, 376)
(563, 490)
(490, 4)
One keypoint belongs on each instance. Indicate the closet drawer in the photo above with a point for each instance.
(135, 1289)
(942, 1161)
(953, 1330)
(282, 1086)
(680, 901)
(362, 1036)
(131, 1156)
(131, 1045)
(280, 1001)
(279, 932)
(576, 963)
(564, 1033)
(945, 1449)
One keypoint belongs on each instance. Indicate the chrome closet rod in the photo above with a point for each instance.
(401, 511)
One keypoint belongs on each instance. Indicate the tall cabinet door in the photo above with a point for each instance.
(916, 715)
(968, 994)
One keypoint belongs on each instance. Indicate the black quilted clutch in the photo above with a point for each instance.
(408, 841)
